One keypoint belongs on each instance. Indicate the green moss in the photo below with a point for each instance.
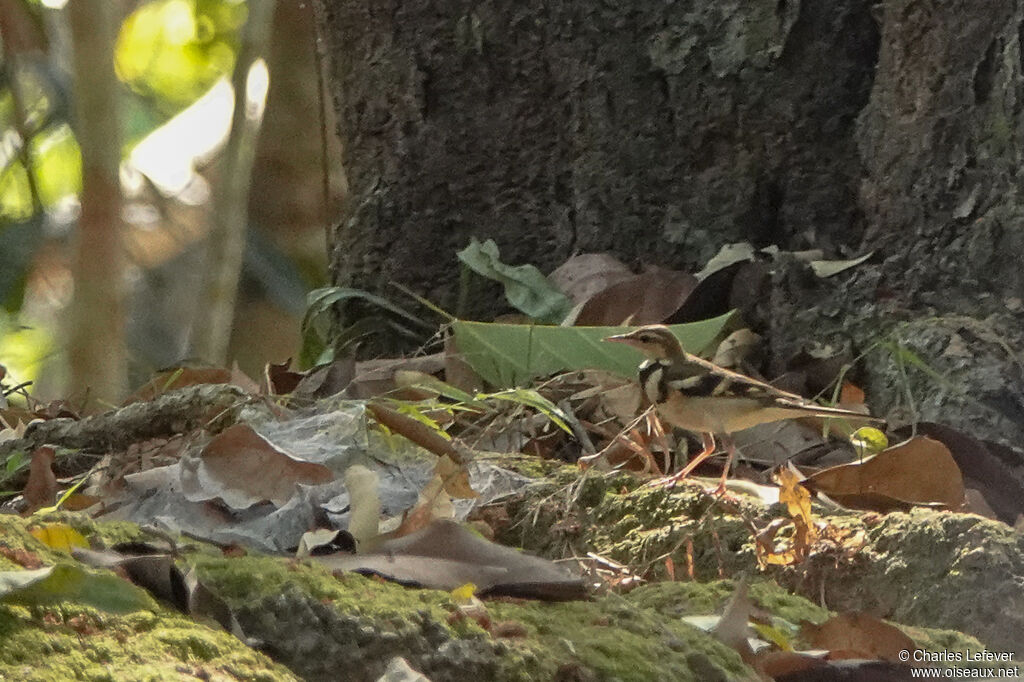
(78, 643)
(620, 638)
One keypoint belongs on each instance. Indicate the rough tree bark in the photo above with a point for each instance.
(661, 131)
(658, 131)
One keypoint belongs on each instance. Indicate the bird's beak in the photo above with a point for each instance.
(619, 338)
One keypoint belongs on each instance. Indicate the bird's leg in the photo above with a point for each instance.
(730, 448)
(708, 441)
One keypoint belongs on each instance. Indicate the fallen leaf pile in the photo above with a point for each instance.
(378, 467)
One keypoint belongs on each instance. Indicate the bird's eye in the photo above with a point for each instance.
(646, 338)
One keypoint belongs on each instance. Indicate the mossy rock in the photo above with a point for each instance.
(923, 568)
(324, 627)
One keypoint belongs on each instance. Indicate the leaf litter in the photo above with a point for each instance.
(387, 457)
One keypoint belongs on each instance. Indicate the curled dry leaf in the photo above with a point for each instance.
(798, 503)
(455, 478)
(363, 487)
(242, 468)
(414, 430)
(920, 471)
(41, 489)
(281, 380)
(858, 635)
(434, 504)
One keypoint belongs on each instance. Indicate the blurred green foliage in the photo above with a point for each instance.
(172, 51)
(168, 53)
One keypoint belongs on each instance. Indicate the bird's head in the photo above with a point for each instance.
(656, 341)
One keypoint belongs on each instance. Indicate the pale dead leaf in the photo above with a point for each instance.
(736, 349)
(455, 477)
(584, 275)
(363, 487)
(733, 628)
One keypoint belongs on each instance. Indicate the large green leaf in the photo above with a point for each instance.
(65, 582)
(526, 287)
(512, 354)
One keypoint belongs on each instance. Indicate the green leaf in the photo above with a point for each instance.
(320, 301)
(317, 346)
(63, 583)
(507, 355)
(531, 398)
(526, 287)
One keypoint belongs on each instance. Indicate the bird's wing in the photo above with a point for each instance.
(697, 377)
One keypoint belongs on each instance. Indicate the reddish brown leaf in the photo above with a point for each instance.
(643, 299)
(41, 489)
(417, 432)
(246, 469)
(280, 379)
(858, 635)
(920, 471)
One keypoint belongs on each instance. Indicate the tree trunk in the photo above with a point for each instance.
(661, 131)
(96, 353)
(658, 131)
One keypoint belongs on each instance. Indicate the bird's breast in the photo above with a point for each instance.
(652, 380)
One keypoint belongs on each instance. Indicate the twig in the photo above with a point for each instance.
(170, 414)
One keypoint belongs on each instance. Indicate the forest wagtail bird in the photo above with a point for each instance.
(702, 397)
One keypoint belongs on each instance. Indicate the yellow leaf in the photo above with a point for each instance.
(868, 441)
(59, 536)
(464, 594)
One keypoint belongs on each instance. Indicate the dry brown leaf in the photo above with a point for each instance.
(984, 465)
(920, 471)
(375, 377)
(248, 469)
(587, 274)
(455, 476)
(416, 431)
(327, 380)
(648, 298)
(433, 504)
(41, 489)
(858, 635)
(851, 394)
(281, 380)
(736, 349)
